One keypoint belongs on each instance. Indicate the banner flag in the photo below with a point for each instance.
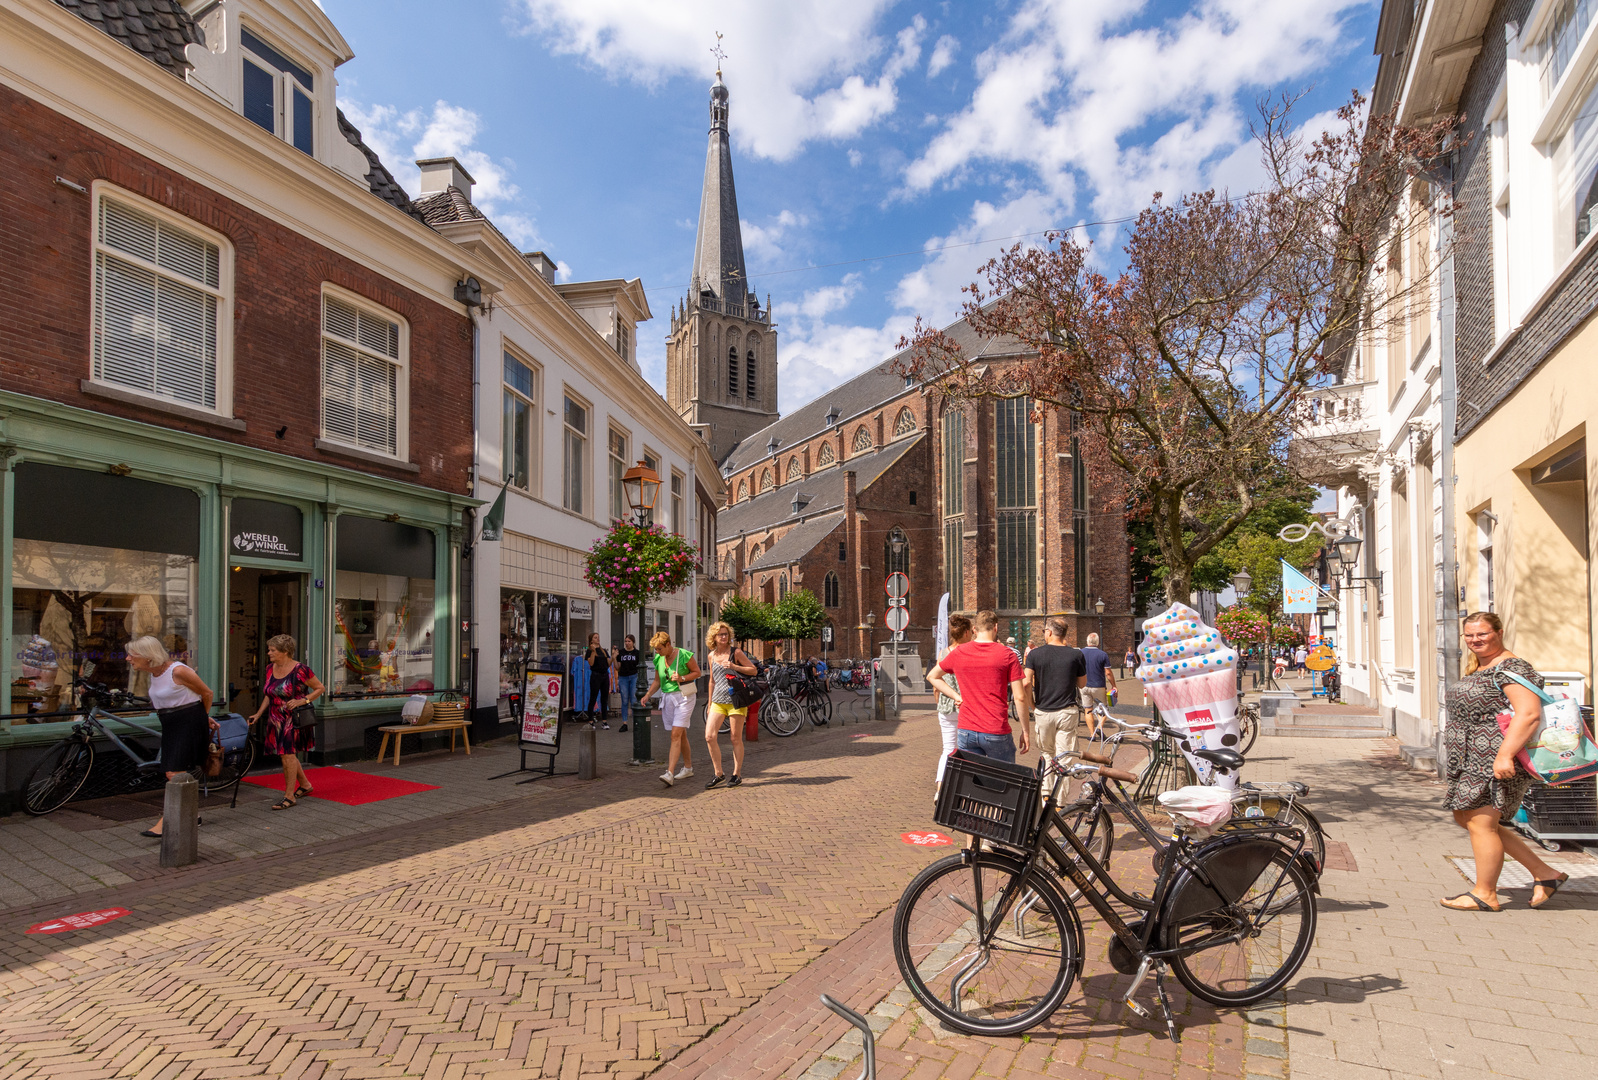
(1298, 591)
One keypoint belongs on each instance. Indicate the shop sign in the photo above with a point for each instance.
(541, 708)
(81, 921)
(581, 609)
(266, 530)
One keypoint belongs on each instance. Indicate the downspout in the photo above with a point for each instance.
(468, 601)
(1448, 632)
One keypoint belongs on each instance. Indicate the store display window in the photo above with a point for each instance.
(382, 609)
(97, 560)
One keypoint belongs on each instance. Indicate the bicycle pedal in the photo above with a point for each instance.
(1140, 1010)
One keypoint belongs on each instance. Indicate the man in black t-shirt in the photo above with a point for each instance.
(626, 662)
(1055, 673)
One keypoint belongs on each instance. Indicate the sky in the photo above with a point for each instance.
(883, 150)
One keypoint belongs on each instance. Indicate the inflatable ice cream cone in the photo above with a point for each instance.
(1190, 675)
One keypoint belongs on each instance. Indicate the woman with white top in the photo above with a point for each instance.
(724, 660)
(183, 702)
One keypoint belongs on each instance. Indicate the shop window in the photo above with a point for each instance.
(574, 451)
(97, 561)
(160, 305)
(279, 95)
(619, 511)
(382, 608)
(364, 388)
(520, 418)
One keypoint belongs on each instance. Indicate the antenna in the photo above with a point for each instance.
(717, 52)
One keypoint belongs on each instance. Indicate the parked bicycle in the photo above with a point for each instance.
(990, 944)
(781, 712)
(60, 773)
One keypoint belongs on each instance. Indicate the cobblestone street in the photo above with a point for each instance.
(620, 928)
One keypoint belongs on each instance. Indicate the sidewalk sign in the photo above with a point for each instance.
(540, 722)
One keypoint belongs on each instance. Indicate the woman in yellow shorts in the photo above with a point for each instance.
(723, 660)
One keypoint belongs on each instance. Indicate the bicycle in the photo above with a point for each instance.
(780, 713)
(811, 692)
(989, 944)
(61, 772)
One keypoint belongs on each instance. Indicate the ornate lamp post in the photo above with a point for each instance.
(641, 485)
(1242, 582)
(1099, 607)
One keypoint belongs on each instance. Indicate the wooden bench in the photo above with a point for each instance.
(399, 731)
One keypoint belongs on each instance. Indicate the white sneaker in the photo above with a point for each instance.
(667, 779)
(684, 773)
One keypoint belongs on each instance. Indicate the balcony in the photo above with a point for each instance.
(1336, 439)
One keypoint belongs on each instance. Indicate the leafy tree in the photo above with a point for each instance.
(1189, 370)
(801, 615)
(752, 620)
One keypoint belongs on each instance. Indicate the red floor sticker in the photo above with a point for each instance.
(926, 839)
(81, 921)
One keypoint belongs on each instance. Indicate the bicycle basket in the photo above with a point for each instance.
(987, 798)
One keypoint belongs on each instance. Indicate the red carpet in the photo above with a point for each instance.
(347, 786)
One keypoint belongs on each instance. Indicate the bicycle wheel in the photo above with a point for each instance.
(1241, 952)
(1017, 978)
(58, 775)
(819, 705)
(782, 715)
(1249, 719)
(1092, 825)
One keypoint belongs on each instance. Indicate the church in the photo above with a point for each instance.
(883, 474)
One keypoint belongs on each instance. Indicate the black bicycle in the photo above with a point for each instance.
(60, 774)
(989, 943)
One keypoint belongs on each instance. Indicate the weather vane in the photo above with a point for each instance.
(717, 52)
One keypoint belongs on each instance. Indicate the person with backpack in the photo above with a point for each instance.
(1485, 782)
(676, 673)
(725, 660)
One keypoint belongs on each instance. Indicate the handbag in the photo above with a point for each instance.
(1559, 750)
(304, 716)
(686, 689)
(213, 760)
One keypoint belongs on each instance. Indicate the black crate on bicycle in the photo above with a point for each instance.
(1563, 809)
(990, 799)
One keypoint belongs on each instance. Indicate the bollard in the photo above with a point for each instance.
(180, 826)
(643, 751)
(587, 753)
(879, 704)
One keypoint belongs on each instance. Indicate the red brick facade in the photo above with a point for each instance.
(278, 274)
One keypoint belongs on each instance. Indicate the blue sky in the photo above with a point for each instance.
(862, 129)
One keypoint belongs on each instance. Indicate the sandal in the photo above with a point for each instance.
(284, 805)
(1552, 885)
(301, 792)
(1481, 905)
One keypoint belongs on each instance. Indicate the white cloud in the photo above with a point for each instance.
(942, 55)
(402, 139)
(855, 158)
(763, 243)
(798, 71)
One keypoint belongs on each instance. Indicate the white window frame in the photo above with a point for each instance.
(223, 292)
(534, 466)
(585, 483)
(402, 375)
(677, 483)
(284, 83)
(619, 510)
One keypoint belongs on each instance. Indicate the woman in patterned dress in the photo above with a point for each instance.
(1485, 782)
(289, 685)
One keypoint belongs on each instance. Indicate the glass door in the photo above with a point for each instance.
(282, 607)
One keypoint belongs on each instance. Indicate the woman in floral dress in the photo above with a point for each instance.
(289, 684)
(1485, 782)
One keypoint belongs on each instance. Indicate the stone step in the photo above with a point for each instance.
(1423, 758)
(1320, 719)
(1322, 731)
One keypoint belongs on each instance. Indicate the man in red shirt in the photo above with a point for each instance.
(986, 672)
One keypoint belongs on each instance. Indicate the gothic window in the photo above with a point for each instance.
(830, 591)
(954, 506)
(743, 490)
(749, 380)
(732, 371)
(1016, 499)
(766, 482)
(862, 439)
(905, 423)
(754, 554)
(793, 469)
(782, 586)
(824, 456)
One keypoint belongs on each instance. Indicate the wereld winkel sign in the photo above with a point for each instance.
(266, 530)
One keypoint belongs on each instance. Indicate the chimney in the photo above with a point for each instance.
(445, 172)
(542, 263)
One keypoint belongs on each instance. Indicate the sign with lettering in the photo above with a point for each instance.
(266, 530)
(541, 708)
(81, 921)
(582, 609)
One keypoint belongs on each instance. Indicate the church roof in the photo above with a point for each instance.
(796, 543)
(719, 244)
(824, 490)
(853, 399)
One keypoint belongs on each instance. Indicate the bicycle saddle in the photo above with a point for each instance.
(1223, 759)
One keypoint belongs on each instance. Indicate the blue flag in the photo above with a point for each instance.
(1298, 591)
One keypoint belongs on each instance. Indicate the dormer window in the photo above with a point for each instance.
(623, 340)
(278, 93)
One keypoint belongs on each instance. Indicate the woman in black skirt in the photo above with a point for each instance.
(183, 702)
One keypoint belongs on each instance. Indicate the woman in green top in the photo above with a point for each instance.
(676, 672)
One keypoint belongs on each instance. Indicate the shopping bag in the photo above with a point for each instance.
(1559, 751)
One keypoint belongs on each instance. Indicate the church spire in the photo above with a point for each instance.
(719, 247)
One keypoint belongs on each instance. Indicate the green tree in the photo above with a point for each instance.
(801, 615)
(752, 620)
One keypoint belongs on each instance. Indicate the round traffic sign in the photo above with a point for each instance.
(898, 585)
(898, 618)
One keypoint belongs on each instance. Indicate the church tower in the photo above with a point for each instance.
(721, 357)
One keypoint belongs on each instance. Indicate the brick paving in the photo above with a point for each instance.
(619, 928)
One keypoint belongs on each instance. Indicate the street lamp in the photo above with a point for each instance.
(1099, 607)
(1242, 582)
(641, 485)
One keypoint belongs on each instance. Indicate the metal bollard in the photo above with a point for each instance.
(180, 825)
(866, 1035)
(643, 751)
(587, 753)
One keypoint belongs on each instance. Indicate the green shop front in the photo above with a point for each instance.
(115, 529)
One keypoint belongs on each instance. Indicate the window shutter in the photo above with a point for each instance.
(360, 391)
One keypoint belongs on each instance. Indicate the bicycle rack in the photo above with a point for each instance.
(866, 1034)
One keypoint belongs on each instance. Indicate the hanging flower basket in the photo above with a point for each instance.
(633, 565)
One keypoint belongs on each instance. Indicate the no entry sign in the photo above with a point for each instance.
(81, 921)
(926, 839)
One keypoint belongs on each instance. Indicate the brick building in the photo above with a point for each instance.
(221, 321)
